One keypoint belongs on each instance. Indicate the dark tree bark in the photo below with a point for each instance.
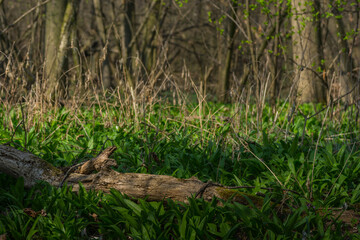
(151, 31)
(127, 43)
(103, 61)
(225, 65)
(307, 52)
(274, 89)
(345, 68)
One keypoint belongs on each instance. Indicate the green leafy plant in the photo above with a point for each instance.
(216, 149)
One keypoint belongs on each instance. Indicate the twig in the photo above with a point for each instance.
(265, 188)
(24, 15)
(206, 185)
(212, 184)
(89, 165)
(71, 170)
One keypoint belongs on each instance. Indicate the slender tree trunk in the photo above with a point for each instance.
(78, 78)
(104, 64)
(5, 43)
(30, 64)
(225, 66)
(307, 52)
(255, 70)
(274, 89)
(127, 50)
(261, 50)
(152, 28)
(346, 79)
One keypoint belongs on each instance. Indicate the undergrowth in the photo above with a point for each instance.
(314, 156)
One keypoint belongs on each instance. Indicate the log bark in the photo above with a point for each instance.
(23, 164)
(97, 174)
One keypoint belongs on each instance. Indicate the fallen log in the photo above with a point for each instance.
(97, 174)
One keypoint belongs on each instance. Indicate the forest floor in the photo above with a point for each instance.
(312, 151)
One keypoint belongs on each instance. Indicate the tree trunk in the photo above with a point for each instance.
(152, 28)
(261, 50)
(345, 68)
(60, 17)
(104, 64)
(307, 52)
(274, 89)
(127, 50)
(30, 64)
(78, 79)
(54, 17)
(225, 66)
